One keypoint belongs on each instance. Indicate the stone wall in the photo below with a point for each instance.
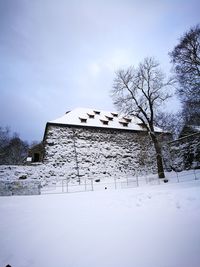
(19, 188)
(98, 152)
(185, 152)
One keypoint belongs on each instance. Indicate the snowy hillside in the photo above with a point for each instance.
(155, 226)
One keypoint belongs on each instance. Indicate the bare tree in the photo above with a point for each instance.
(17, 151)
(12, 149)
(186, 59)
(140, 92)
(4, 141)
(170, 122)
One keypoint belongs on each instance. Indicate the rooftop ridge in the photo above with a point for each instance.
(100, 118)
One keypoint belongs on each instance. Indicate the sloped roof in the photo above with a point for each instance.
(113, 120)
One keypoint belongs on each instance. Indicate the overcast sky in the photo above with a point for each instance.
(56, 55)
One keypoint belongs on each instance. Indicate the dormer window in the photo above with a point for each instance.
(124, 123)
(97, 112)
(142, 125)
(105, 122)
(109, 117)
(114, 114)
(91, 116)
(83, 120)
(127, 119)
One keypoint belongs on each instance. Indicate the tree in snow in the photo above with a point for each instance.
(170, 122)
(17, 151)
(186, 59)
(12, 149)
(140, 92)
(4, 141)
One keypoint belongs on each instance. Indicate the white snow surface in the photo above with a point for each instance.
(154, 226)
(74, 118)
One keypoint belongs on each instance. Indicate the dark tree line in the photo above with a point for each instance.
(185, 58)
(186, 61)
(12, 149)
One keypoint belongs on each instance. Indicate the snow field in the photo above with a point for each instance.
(155, 226)
(90, 184)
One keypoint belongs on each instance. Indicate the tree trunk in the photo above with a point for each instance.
(159, 160)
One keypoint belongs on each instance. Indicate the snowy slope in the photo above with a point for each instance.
(143, 227)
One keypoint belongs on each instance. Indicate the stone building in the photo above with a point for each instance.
(36, 153)
(95, 143)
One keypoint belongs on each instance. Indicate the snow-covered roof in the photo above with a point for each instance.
(99, 118)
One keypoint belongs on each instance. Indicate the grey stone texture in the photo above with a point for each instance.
(185, 152)
(98, 152)
(19, 188)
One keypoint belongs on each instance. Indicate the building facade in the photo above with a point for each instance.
(92, 143)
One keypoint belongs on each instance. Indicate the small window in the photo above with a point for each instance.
(142, 125)
(97, 112)
(105, 122)
(109, 118)
(91, 116)
(83, 120)
(125, 124)
(114, 114)
(127, 119)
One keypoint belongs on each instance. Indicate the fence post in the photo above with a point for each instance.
(158, 180)
(67, 186)
(85, 185)
(137, 180)
(195, 177)
(177, 176)
(62, 186)
(92, 184)
(146, 178)
(115, 182)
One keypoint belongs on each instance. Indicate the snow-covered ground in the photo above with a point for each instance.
(154, 226)
(139, 180)
(56, 180)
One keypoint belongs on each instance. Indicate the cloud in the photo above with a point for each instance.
(56, 55)
(94, 69)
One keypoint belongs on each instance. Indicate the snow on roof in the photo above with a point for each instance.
(98, 119)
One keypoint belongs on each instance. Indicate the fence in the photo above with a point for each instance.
(95, 184)
(10, 188)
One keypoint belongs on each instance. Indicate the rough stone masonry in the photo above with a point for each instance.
(93, 152)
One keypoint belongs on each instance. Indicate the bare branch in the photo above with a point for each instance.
(140, 92)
